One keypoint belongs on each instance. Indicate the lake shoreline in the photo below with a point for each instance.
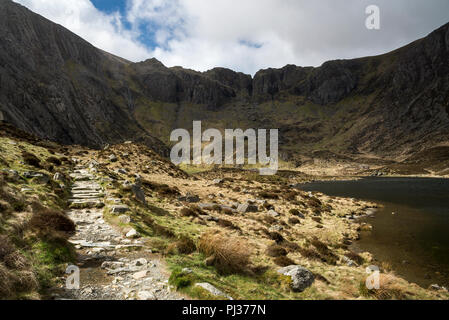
(404, 251)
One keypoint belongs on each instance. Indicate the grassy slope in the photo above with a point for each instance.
(165, 229)
(32, 253)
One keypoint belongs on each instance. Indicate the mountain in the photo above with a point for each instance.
(59, 87)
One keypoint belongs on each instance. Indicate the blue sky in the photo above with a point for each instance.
(243, 35)
(110, 5)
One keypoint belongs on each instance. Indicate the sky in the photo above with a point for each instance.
(243, 35)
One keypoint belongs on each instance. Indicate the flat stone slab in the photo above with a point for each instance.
(87, 196)
(87, 244)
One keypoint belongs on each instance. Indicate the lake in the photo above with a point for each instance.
(411, 230)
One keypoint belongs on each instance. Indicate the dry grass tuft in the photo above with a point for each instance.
(355, 257)
(294, 221)
(54, 160)
(185, 245)
(276, 251)
(390, 289)
(228, 255)
(7, 280)
(31, 159)
(284, 261)
(49, 221)
(276, 237)
(268, 195)
(192, 211)
(227, 224)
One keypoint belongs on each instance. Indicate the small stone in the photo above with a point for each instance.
(213, 290)
(140, 275)
(124, 219)
(145, 295)
(113, 158)
(139, 262)
(58, 177)
(246, 207)
(132, 234)
(120, 209)
(273, 213)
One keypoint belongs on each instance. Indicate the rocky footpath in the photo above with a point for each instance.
(112, 266)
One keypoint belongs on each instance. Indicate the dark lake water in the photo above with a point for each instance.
(414, 240)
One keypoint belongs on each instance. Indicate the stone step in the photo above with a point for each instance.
(80, 192)
(85, 204)
(86, 196)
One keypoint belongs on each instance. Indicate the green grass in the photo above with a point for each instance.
(268, 286)
(49, 259)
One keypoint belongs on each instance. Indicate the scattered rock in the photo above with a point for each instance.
(120, 209)
(138, 193)
(140, 275)
(132, 234)
(59, 177)
(124, 219)
(40, 178)
(301, 277)
(213, 290)
(122, 171)
(139, 262)
(192, 199)
(145, 295)
(246, 207)
(273, 213)
(113, 158)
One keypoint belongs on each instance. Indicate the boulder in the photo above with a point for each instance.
(301, 277)
(138, 193)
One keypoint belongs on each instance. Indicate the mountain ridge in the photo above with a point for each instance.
(58, 86)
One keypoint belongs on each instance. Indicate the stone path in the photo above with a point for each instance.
(112, 267)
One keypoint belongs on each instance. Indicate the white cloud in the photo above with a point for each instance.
(247, 35)
(104, 31)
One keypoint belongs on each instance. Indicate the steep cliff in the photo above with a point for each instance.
(58, 86)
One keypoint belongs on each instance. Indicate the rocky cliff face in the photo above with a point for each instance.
(58, 86)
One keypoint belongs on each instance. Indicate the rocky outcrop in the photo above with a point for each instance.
(57, 86)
